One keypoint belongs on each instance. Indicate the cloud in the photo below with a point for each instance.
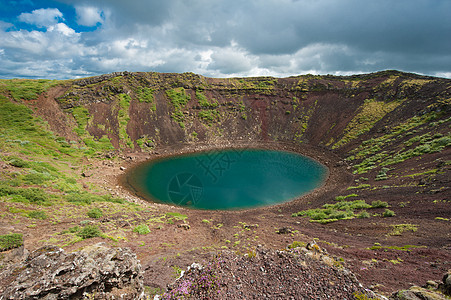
(231, 61)
(89, 16)
(42, 17)
(229, 38)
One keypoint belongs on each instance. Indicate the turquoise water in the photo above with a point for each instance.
(227, 179)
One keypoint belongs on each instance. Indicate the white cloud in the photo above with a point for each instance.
(89, 15)
(231, 60)
(42, 17)
(62, 28)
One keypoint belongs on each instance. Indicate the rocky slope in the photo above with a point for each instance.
(384, 136)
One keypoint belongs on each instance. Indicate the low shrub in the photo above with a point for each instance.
(95, 213)
(142, 229)
(363, 215)
(33, 195)
(379, 204)
(36, 178)
(17, 162)
(37, 214)
(89, 231)
(388, 213)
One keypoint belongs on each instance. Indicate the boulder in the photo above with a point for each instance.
(417, 293)
(95, 272)
(445, 287)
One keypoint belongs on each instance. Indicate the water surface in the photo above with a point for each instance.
(228, 179)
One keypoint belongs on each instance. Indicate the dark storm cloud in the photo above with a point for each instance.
(232, 38)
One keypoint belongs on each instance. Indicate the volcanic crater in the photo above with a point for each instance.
(383, 212)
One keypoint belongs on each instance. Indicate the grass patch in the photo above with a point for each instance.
(333, 212)
(361, 186)
(26, 89)
(341, 198)
(10, 241)
(177, 216)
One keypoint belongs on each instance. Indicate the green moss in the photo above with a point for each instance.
(399, 229)
(428, 146)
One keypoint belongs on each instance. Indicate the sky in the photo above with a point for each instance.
(64, 39)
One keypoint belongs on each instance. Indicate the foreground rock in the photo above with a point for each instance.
(96, 271)
(432, 291)
(267, 274)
